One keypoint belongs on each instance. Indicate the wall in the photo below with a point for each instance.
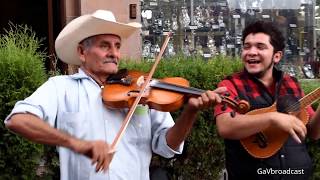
(131, 48)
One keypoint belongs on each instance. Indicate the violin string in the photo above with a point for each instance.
(177, 88)
(188, 90)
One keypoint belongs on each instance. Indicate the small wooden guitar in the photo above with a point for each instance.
(266, 143)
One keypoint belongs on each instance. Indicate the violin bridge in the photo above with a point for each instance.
(140, 81)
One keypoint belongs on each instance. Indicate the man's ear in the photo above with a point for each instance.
(277, 56)
(81, 52)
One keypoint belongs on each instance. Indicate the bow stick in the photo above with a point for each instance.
(138, 98)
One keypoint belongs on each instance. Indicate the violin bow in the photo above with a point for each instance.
(138, 98)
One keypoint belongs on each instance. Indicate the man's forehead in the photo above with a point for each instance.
(257, 37)
(107, 35)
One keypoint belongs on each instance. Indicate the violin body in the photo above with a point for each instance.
(273, 137)
(129, 93)
(167, 94)
(123, 96)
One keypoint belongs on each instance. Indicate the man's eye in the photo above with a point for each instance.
(262, 47)
(104, 46)
(246, 47)
(118, 45)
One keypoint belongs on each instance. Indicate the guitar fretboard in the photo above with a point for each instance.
(306, 100)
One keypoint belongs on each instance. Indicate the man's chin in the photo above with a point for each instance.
(255, 73)
(114, 71)
(258, 74)
(252, 71)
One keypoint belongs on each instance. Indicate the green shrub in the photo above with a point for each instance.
(203, 156)
(308, 85)
(21, 72)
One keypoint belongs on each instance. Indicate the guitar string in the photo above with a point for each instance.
(304, 101)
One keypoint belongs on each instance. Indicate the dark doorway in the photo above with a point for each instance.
(44, 17)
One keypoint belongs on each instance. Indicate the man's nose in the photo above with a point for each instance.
(114, 52)
(252, 51)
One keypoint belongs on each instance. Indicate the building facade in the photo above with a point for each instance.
(200, 27)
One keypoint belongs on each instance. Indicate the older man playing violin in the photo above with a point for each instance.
(68, 112)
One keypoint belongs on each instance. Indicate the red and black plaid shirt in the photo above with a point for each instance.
(244, 86)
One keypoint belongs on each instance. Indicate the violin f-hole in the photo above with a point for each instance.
(135, 93)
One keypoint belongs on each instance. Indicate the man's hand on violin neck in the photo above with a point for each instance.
(207, 99)
(99, 152)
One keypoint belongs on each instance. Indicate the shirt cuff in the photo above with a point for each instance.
(22, 107)
(167, 151)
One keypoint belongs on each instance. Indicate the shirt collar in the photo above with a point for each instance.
(80, 75)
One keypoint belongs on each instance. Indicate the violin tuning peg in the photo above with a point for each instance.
(224, 107)
(232, 114)
(236, 98)
(227, 94)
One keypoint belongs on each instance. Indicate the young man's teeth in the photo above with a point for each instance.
(253, 62)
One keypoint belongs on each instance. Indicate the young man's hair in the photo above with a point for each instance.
(276, 37)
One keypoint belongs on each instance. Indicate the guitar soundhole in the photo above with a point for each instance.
(261, 140)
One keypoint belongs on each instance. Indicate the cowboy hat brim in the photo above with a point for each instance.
(86, 26)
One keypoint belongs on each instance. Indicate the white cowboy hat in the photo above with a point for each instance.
(100, 22)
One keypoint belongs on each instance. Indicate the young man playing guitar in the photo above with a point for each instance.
(262, 84)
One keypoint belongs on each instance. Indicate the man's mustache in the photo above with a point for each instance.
(111, 60)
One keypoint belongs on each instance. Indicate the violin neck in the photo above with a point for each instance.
(176, 88)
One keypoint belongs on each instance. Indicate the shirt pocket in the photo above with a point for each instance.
(75, 123)
(142, 124)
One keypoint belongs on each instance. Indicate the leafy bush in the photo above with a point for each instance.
(308, 85)
(313, 146)
(203, 156)
(21, 72)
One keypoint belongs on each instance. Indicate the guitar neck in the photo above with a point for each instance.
(310, 98)
(176, 88)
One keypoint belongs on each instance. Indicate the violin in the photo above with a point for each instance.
(269, 141)
(167, 94)
(129, 89)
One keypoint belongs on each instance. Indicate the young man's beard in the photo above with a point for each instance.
(261, 74)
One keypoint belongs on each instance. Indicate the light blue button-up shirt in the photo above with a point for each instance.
(73, 104)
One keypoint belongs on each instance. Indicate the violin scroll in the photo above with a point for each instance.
(244, 106)
(240, 106)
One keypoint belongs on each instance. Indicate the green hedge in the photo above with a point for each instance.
(203, 156)
(308, 85)
(21, 72)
